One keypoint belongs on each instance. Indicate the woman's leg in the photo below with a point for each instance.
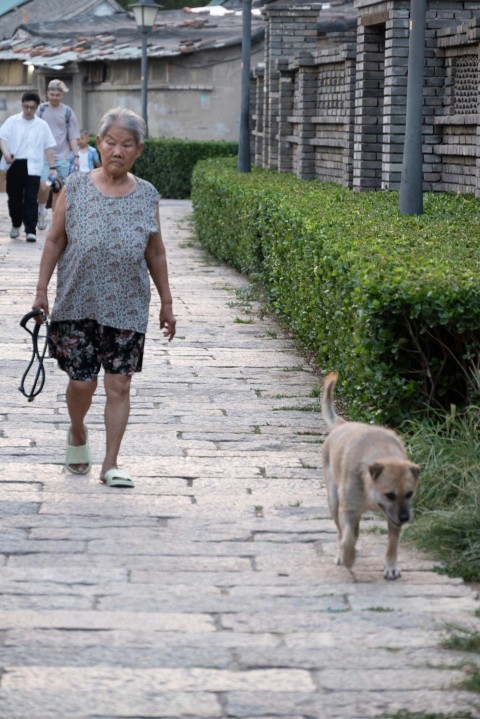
(79, 398)
(117, 412)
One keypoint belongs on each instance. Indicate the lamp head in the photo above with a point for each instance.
(145, 12)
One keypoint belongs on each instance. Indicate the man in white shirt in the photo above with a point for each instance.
(25, 140)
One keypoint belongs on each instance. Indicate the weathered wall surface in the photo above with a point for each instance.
(193, 96)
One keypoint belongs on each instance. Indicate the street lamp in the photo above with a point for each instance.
(145, 12)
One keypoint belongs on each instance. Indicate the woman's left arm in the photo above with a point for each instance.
(156, 258)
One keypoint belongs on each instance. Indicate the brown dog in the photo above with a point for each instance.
(366, 468)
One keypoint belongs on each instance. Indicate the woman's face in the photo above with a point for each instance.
(119, 150)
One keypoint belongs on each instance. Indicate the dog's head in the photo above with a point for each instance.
(393, 485)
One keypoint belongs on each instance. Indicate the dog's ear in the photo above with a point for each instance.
(375, 470)
(415, 470)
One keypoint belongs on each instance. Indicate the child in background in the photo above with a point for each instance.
(87, 154)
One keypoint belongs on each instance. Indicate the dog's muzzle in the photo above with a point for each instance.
(403, 516)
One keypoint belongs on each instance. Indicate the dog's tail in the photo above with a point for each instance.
(328, 408)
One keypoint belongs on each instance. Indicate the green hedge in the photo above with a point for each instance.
(168, 163)
(392, 302)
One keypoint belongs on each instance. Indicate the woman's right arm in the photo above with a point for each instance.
(55, 244)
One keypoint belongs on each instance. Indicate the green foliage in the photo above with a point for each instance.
(168, 163)
(453, 537)
(447, 504)
(392, 302)
(448, 448)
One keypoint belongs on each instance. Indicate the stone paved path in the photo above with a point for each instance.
(208, 591)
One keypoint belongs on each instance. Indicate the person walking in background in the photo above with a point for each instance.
(25, 139)
(88, 157)
(106, 243)
(64, 125)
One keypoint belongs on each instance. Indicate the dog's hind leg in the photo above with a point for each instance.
(392, 571)
(332, 494)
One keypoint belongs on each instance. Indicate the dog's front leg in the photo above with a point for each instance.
(349, 527)
(392, 571)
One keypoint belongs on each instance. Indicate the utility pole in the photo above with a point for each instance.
(411, 185)
(244, 162)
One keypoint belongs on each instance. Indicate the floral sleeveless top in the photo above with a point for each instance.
(102, 274)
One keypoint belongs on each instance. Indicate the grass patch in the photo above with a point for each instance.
(299, 408)
(461, 639)
(405, 714)
(472, 682)
(311, 433)
(447, 504)
(242, 321)
(188, 244)
(377, 529)
(250, 293)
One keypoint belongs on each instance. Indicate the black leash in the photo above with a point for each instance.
(39, 380)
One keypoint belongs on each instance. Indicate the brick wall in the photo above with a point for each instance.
(338, 113)
(333, 115)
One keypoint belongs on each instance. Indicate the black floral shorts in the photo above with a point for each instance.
(81, 347)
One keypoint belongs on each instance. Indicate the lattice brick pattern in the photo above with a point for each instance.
(466, 85)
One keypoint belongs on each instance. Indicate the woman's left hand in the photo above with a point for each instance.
(167, 322)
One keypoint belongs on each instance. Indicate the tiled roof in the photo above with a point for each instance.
(32, 11)
(116, 37)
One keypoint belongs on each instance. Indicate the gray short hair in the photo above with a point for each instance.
(57, 86)
(126, 119)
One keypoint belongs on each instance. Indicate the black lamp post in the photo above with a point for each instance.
(411, 184)
(244, 162)
(145, 12)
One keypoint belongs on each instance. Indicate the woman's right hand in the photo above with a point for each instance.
(40, 303)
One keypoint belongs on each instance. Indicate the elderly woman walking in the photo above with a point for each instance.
(106, 240)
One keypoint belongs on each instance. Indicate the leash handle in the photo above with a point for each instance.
(39, 379)
(29, 315)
